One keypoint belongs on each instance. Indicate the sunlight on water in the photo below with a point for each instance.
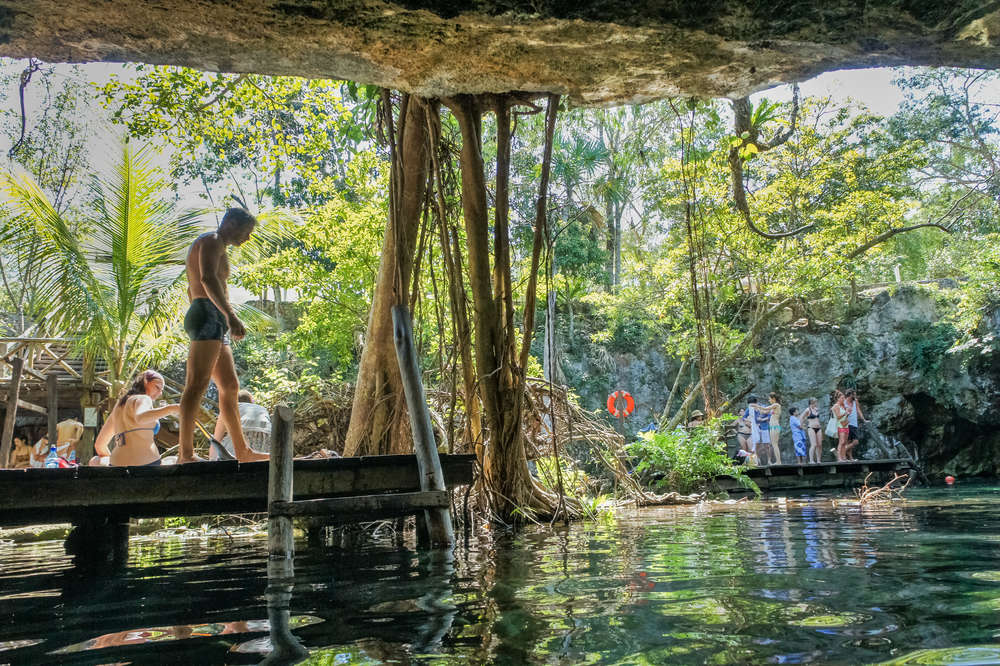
(799, 581)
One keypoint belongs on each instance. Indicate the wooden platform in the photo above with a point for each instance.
(35, 496)
(826, 475)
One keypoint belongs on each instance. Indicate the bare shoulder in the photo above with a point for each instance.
(139, 401)
(207, 241)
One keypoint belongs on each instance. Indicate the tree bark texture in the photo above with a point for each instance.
(512, 490)
(379, 424)
(451, 254)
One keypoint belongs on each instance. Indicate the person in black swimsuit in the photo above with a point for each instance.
(814, 431)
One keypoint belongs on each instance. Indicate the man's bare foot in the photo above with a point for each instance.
(251, 456)
(192, 459)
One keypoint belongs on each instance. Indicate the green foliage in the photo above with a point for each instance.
(924, 346)
(331, 262)
(284, 134)
(112, 277)
(576, 485)
(687, 459)
(53, 148)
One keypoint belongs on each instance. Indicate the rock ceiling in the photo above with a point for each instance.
(596, 51)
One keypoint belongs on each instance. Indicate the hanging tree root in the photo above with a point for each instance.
(322, 418)
(890, 491)
(575, 425)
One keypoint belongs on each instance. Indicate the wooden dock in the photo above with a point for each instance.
(826, 475)
(35, 496)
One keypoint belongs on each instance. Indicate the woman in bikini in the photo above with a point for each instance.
(744, 431)
(841, 414)
(814, 431)
(133, 422)
(773, 426)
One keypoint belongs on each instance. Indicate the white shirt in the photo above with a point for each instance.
(256, 424)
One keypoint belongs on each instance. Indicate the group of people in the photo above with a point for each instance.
(758, 429)
(68, 434)
(211, 323)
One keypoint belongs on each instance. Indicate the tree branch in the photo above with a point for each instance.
(886, 235)
(751, 337)
(743, 125)
(33, 66)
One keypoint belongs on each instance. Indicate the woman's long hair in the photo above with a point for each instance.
(139, 385)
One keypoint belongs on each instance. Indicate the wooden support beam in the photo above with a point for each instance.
(280, 538)
(438, 519)
(24, 404)
(13, 391)
(52, 397)
(368, 505)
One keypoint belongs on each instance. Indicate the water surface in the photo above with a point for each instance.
(807, 580)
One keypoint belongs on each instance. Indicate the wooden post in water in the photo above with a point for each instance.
(280, 544)
(13, 394)
(52, 407)
(285, 647)
(438, 521)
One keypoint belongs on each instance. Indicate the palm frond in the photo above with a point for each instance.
(275, 229)
(255, 319)
(113, 280)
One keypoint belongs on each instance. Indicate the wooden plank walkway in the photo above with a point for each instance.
(825, 475)
(36, 496)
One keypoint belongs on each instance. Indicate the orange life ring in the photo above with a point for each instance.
(613, 404)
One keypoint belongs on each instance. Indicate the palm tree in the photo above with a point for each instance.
(113, 277)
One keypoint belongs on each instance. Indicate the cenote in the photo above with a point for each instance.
(799, 580)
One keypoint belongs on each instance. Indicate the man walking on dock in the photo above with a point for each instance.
(210, 323)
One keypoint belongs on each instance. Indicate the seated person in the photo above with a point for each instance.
(697, 419)
(39, 451)
(256, 425)
(21, 455)
(68, 434)
(132, 424)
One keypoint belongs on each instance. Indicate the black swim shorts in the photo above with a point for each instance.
(852, 433)
(204, 321)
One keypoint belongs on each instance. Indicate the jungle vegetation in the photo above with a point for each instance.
(499, 220)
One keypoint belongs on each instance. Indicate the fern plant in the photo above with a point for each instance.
(687, 459)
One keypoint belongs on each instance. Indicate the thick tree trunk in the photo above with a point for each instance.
(505, 468)
(379, 424)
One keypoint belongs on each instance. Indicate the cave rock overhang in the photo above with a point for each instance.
(595, 51)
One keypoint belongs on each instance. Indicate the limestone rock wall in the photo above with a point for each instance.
(595, 51)
(891, 346)
(943, 407)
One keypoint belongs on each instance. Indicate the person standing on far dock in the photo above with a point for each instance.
(210, 323)
(853, 414)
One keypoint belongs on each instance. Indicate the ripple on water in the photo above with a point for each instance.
(810, 582)
(953, 656)
(992, 576)
(829, 620)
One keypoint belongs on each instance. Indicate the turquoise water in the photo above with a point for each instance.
(799, 581)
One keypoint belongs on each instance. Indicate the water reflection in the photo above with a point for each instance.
(801, 581)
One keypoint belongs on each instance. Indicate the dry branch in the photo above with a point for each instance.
(890, 491)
